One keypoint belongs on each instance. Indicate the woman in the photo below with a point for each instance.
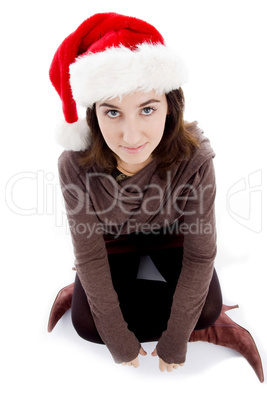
(139, 188)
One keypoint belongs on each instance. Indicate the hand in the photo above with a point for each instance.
(163, 365)
(135, 362)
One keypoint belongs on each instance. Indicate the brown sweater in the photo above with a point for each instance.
(97, 205)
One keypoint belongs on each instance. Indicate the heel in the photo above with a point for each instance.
(61, 304)
(225, 332)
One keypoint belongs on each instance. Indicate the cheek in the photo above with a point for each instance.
(106, 129)
(157, 128)
(110, 135)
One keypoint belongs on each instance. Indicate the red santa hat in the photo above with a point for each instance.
(109, 55)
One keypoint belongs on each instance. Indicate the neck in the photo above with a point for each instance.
(132, 169)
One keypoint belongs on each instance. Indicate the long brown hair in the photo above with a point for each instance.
(177, 144)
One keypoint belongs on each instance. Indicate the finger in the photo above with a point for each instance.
(135, 363)
(162, 365)
(142, 352)
(175, 366)
(169, 368)
(154, 353)
(182, 364)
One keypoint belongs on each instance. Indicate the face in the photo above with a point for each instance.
(132, 127)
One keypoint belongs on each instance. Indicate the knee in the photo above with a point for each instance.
(210, 313)
(85, 328)
(213, 305)
(213, 312)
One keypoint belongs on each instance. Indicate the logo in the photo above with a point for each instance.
(244, 201)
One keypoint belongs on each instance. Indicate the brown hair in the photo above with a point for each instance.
(178, 141)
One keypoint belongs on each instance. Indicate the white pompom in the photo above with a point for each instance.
(73, 136)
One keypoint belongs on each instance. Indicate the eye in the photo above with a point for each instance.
(112, 113)
(147, 111)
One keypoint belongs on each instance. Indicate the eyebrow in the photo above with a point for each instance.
(149, 101)
(141, 105)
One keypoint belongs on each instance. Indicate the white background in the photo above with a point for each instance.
(224, 44)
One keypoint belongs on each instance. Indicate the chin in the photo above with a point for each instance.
(136, 159)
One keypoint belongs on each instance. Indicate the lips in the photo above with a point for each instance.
(133, 150)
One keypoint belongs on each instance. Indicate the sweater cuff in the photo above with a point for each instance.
(171, 352)
(126, 354)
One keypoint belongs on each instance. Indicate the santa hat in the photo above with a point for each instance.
(109, 55)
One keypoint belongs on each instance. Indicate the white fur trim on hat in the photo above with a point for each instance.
(73, 136)
(118, 71)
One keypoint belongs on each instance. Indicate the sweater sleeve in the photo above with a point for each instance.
(92, 265)
(198, 264)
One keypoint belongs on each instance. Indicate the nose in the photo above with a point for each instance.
(132, 133)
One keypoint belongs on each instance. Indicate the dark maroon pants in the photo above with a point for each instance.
(145, 303)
